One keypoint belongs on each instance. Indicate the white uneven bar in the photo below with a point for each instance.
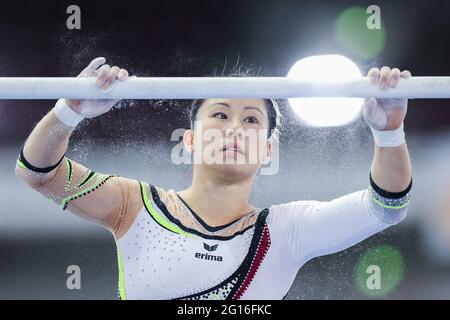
(215, 87)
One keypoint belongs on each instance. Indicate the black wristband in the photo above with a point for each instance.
(388, 194)
(29, 166)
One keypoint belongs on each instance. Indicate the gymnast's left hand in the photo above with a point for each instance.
(385, 114)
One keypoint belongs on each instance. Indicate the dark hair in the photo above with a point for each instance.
(273, 114)
(272, 106)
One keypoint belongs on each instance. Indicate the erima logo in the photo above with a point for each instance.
(207, 256)
(210, 248)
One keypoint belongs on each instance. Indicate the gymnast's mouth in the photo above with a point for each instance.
(233, 147)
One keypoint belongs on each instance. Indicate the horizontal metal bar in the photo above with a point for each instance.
(216, 87)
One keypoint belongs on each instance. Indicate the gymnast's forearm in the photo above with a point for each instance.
(45, 146)
(48, 141)
(44, 149)
(391, 168)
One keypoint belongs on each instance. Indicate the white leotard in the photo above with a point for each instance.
(160, 258)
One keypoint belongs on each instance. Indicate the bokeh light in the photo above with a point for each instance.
(383, 262)
(353, 34)
(326, 112)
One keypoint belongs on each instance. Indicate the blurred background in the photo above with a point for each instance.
(38, 241)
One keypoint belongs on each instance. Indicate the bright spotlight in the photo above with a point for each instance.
(326, 112)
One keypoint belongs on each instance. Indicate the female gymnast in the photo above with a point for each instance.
(208, 241)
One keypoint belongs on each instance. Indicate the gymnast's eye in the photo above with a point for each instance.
(221, 115)
(251, 119)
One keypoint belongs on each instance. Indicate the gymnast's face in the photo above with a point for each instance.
(230, 135)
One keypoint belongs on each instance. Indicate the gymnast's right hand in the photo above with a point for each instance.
(105, 77)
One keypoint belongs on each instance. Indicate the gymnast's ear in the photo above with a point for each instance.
(188, 140)
(268, 152)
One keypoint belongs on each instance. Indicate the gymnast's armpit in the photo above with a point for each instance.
(101, 198)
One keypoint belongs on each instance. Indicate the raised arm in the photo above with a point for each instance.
(391, 166)
(42, 165)
(307, 229)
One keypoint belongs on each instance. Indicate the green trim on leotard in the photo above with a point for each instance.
(160, 220)
(20, 164)
(381, 204)
(66, 200)
(121, 281)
